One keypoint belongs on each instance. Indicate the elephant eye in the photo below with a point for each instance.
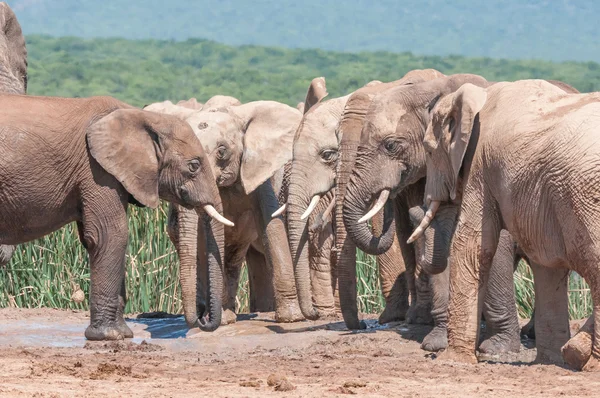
(194, 165)
(391, 146)
(222, 152)
(329, 155)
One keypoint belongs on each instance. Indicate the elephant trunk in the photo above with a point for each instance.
(346, 261)
(183, 230)
(215, 241)
(433, 246)
(355, 206)
(298, 237)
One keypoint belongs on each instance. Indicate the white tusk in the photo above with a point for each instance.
(383, 197)
(279, 211)
(211, 211)
(313, 203)
(433, 208)
(327, 211)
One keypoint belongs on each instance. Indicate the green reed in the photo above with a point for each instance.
(45, 273)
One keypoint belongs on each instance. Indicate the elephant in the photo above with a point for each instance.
(84, 160)
(312, 174)
(13, 74)
(391, 159)
(394, 264)
(523, 157)
(248, 146)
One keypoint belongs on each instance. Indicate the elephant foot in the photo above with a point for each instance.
(392, 313)
(548, 357)
(327, 312)
(456, 355)
(592, 365)
(528, 330)
(288, 313)
(228, 317)
(111, 331)
(436, 340)
(419, 314)
(500, 344)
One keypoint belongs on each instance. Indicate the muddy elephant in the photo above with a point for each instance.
(248, 146)
(13, 74)
(310, 202)
(524, 157)
(85, 160)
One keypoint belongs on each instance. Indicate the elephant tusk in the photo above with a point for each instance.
(211, 211)
(279, 211)
(329, 208)
(313, 203)
(433, 208)
(383, 197)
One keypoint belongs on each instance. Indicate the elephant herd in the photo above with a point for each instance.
(448, 180)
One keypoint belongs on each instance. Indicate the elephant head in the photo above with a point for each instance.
(446, 141)
(13, 53)
(391, 155)
(158, 156)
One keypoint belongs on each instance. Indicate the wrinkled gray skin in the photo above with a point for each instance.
(395, 265)
(391, 157)
(248, 145)
(13, 74)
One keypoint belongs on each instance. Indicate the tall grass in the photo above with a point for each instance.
(45, 273)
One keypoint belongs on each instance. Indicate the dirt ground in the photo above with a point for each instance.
(43, 354)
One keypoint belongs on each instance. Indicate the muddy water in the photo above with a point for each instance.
(250, 332)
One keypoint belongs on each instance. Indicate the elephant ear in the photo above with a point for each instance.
(126, 144)
(466, 104)
(14, 51)
(316, 92)
(269, 128)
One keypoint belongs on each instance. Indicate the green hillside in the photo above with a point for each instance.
(141, 72)
(524, 29)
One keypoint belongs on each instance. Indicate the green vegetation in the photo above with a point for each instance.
(45, 272)
(524, 29)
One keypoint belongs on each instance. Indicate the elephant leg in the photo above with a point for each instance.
(277, 252)
(552, 309)
(6, 253)
(262, 296)
(393, 276)
(321, 243)
(234, 258)
(420, 308)
(104, 234)
(473, 248)
(499, 309)
(437, 339)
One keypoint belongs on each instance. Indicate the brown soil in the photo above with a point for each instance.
(43, 353)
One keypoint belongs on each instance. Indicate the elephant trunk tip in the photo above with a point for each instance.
(209, 325)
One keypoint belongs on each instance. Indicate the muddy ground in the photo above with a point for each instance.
(43, 354)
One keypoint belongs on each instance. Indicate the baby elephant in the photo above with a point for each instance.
(84, 160)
